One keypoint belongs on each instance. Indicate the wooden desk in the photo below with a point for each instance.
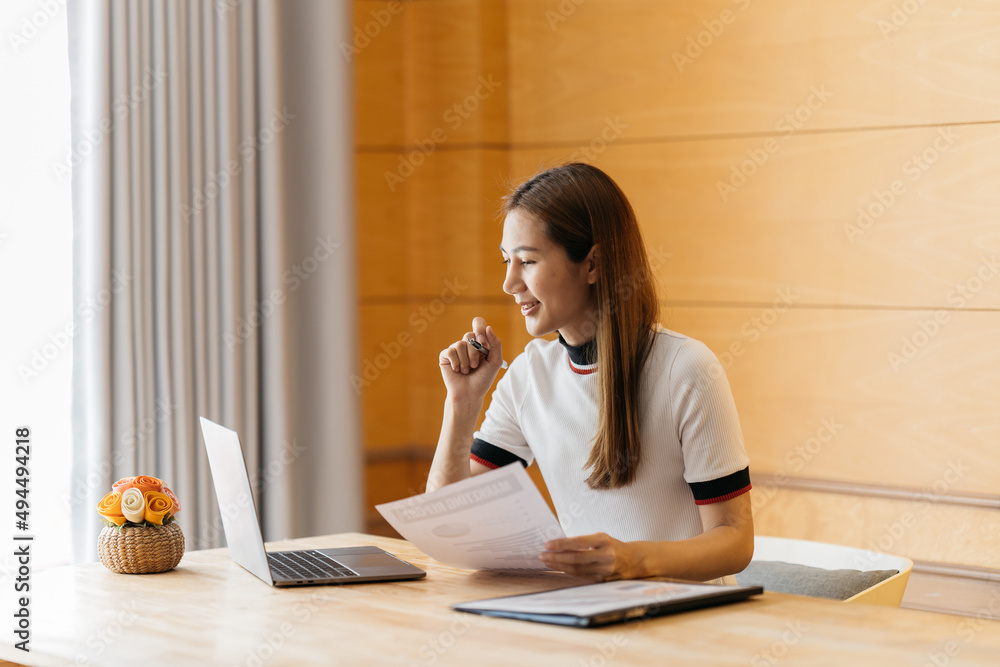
(209, 611)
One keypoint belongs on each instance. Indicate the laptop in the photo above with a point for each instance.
(346, 565)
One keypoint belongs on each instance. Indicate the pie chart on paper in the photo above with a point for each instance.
(451, 530)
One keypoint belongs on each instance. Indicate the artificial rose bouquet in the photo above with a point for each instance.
(139, 501)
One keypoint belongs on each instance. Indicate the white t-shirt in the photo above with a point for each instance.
(545, 409)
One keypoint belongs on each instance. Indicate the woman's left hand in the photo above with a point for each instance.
(598, 557)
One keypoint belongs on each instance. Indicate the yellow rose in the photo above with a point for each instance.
(110, 508)
(158, 505)
(133, 505)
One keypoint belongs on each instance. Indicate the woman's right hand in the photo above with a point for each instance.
(467, 374)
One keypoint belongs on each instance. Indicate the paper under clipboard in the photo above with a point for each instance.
(594, 605)
(495, 520)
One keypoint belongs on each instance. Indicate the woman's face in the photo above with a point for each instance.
(554, 293)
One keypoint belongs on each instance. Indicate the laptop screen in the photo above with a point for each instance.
(232, 487)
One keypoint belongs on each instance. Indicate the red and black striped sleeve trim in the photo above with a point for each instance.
(492, 456)
(724, 488)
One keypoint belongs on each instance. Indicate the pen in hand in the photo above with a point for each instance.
(482, 350)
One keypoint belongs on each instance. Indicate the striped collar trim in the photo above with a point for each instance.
(582, 358)
(582, 370)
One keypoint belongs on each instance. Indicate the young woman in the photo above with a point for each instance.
(633, 426)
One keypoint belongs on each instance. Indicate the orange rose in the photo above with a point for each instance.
(123, 484)
(110, 508)
(170, 494)
(158, 506)
(147, 484)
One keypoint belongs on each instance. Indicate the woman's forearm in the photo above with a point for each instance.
(451, 458)
(715, 553)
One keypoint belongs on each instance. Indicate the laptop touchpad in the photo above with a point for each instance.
(358, 562)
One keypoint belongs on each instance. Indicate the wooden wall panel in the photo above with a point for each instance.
(439, 228)
(598, 81)
(389, 479)
(796, 220)
(377, 49)
(919, 530)
(455, 226)
(420, 60)
(430, 98)
(456, 57)
(819, 395)
(383, 228)
(572, 68)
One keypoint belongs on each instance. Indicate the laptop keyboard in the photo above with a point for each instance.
(306, 566)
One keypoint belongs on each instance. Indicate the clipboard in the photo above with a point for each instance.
(594, 605)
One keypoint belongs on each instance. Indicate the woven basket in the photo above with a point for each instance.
(141, 549)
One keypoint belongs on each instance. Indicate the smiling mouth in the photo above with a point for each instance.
(528, 307)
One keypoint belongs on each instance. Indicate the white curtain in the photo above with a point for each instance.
(213, 257)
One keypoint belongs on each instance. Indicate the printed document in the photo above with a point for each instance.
(495, 520)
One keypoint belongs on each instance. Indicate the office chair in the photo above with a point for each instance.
(818, 569)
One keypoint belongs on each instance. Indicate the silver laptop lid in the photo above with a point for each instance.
(232, 487)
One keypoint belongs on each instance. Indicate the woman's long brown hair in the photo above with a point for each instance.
(580, 206)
